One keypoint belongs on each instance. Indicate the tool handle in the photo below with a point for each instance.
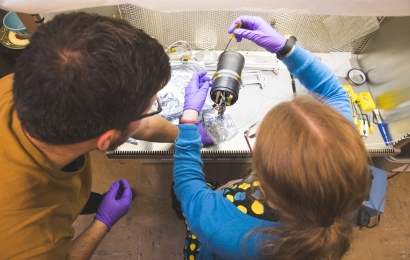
(238, 25)
(384, 133)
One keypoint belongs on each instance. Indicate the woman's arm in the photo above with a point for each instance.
(190, 186)
(205, 211)
(312, 73)
(317, 77)
(188, 176)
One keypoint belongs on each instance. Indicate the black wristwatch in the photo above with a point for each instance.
(287, 49)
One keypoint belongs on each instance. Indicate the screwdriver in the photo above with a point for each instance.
(382, 127)
(238, 25)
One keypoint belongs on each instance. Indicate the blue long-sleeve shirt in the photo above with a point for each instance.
(219, 226)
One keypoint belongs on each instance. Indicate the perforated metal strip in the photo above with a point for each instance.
(221, 154)
(170, 153)
(383, 152)
(403, 141)
(208, 29)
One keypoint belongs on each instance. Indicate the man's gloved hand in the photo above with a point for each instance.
(204, 136)
(196, 91)
(255, 29)
(115, 205)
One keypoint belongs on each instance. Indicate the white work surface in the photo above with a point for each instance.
(252, 105)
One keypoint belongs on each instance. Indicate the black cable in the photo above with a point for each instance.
(293, 84)
(355, 109)
(361, 218)
(378, 220)
(361, 113)
(394, 175)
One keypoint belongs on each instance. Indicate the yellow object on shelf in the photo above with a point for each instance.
(366, 101)
(186, 57)
(371, 128)
(391, 99)
(359, 126)
(350, 93)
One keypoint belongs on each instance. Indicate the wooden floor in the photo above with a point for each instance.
(152, 231)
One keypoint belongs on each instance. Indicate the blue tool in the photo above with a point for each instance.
(377, 119)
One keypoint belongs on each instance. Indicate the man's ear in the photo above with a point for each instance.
(105, 140)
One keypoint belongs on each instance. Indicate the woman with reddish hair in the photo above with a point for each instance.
(310, 169)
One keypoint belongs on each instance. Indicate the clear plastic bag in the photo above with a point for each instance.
(131, 140)
(172, 96)
(220, 128)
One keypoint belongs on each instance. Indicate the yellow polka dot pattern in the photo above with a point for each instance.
(244, 186)
(244, 195)
(257, 207)
(242, 208)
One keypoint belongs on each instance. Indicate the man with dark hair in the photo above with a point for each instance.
(84, 82)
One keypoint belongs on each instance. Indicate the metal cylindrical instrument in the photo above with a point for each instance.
(227, 80)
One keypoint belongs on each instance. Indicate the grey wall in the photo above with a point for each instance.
(386, 61)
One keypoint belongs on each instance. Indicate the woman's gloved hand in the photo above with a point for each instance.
(204, 136)
(116, 203)
(255, 29)
(196, 91)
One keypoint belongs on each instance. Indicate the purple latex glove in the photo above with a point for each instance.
(196, 91)
(255, 29)
(204, 136)
(112, 209)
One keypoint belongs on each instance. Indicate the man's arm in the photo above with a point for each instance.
(156, 129)
(116, 203)
(85, 244)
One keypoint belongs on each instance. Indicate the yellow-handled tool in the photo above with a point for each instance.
(238, 25)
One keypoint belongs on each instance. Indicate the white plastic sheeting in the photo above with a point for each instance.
(330, 7)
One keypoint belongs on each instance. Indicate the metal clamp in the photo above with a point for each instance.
(260, 78)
